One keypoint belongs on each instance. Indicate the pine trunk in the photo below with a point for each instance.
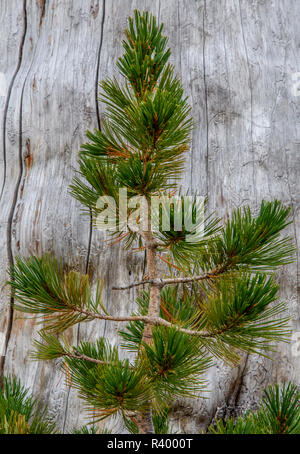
(145, 420)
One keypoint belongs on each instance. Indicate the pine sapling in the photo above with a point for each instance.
(209, 289)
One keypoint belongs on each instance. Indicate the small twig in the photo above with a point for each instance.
(136, 284)
(178, 280)
(77, 355)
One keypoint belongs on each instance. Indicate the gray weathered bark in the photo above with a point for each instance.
(236, 59)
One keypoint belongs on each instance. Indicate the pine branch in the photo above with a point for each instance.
(251, 241)
(178, 280)
(51, 348)
(148, 320)
(76, 355)
(63, 300)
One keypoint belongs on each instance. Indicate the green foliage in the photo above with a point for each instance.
(115, 386)
(161, 421)
(238, 426)
(175, 307)
(41, 287)
(100, 181)
(49, 347)
(174, 364)
(145, 53)
(147, 126)
(188, 229)
(280, 410)
(90, 430)
(169, 368)
(278, 413)
(20, 413)
(239, 312)
(253, 241)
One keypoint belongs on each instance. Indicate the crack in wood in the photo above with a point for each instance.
(236, 388)
(42, 4)
(98, 64)
(251, 91)
(15, 197)
(230, 407)
(294, 224)
(205, 98)
(9, 94)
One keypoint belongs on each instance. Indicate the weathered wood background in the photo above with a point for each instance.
(236, 59)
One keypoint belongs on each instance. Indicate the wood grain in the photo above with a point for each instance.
(236, 59)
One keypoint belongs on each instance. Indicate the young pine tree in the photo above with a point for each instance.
(217, 296)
